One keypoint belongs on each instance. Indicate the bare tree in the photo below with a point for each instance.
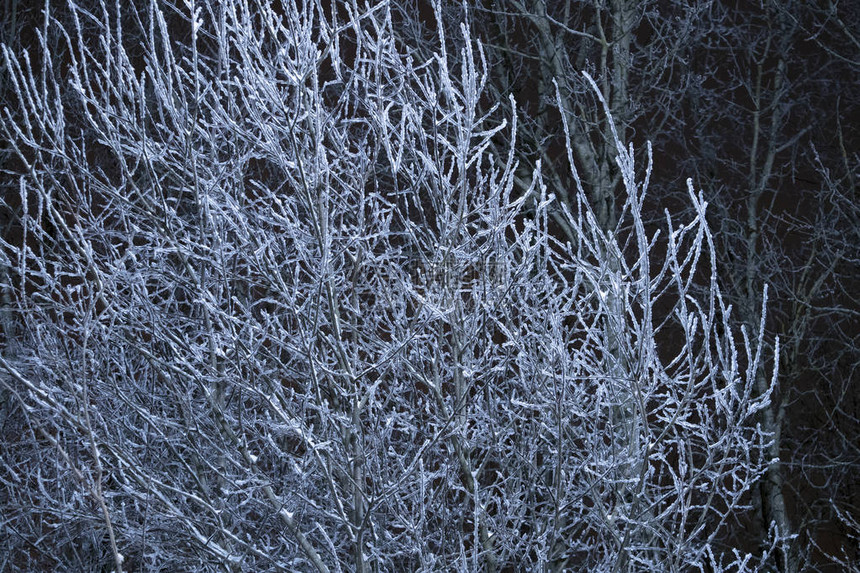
(753, 99)
(285, 299)
(783, 187)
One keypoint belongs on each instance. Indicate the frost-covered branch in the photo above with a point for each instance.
(282, 308)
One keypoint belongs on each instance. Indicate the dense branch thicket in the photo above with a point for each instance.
(754, 100)
(274, 300)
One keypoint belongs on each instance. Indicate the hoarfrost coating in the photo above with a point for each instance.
(224, 361)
